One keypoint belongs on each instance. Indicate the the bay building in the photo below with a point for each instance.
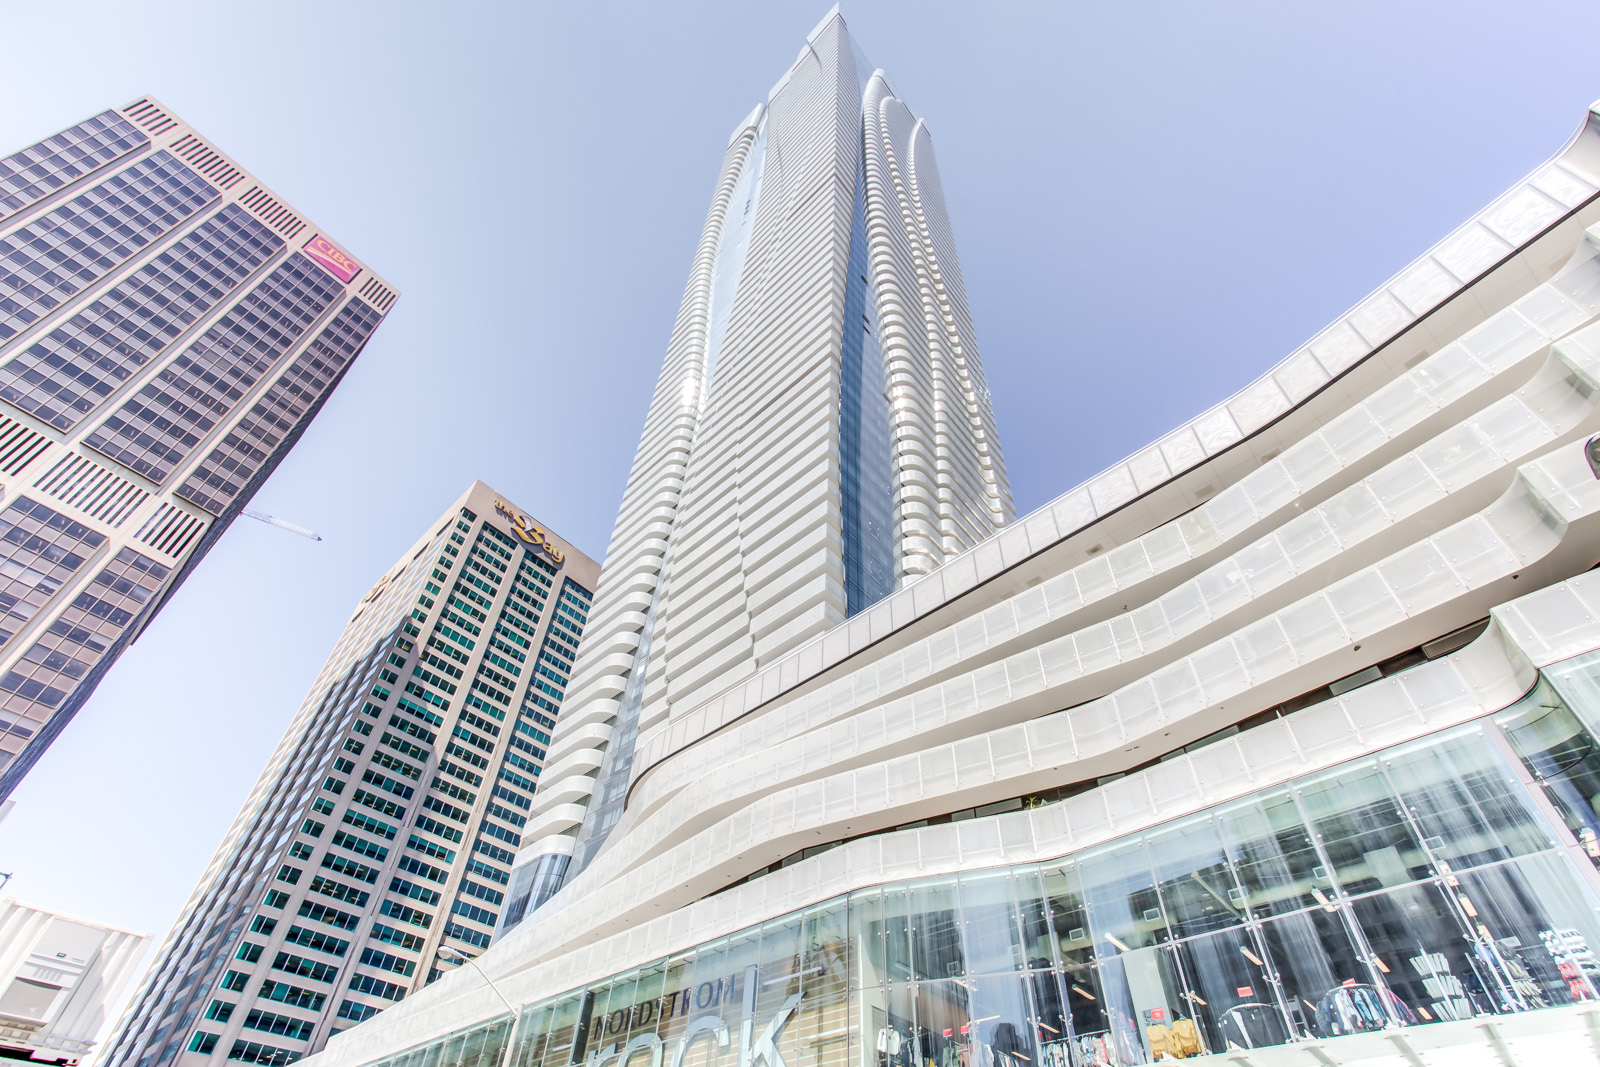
(1276, 743)
(169, 326)
(374, 852)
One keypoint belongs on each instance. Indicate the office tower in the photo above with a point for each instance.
(1278, 741)
(59, 976)
(373, 852)
(819, 436)
(168, 329)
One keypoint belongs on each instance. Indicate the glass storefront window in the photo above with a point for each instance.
(936, 942)
(1530, 932)
(1230, 990)
(1315, 958)
(1087, 1014)
(1124, 910)
(1277, 865)
(1196, 882)
(1361, 828)
(1561, 754)
(991, 932)
(1467, 807)
(1427, 883)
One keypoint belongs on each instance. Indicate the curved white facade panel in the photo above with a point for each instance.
(1281, 738)
(820, 434)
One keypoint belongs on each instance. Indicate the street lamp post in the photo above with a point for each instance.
(457, 956)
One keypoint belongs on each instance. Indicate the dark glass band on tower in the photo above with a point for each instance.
(866, 481)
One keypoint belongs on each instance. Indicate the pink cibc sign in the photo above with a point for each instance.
(329, 255)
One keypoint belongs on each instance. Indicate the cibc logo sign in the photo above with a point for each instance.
(528, 530)
(330, 255)
(707, 1027)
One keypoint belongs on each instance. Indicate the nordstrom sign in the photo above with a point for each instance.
(702, 1005)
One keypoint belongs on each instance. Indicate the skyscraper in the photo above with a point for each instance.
(383, 828)
(1277, 742)
(168, 329)
(820, 434)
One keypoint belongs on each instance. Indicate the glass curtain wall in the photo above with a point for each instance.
(1444, 879)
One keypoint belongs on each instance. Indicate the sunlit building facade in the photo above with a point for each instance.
(1276, 743)
(373, 855)
(169, 327)
(820, 435)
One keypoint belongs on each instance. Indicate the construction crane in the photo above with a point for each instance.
(272, 520)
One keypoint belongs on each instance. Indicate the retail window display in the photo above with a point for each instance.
(1452, 877)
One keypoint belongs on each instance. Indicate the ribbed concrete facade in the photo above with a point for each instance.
(821, 408)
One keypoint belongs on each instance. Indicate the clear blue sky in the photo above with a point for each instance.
(1152, 202)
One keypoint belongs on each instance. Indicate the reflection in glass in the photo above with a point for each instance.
(936, 950)
(1272, 853)
(1362, 829)
(992, 936)
(1315, 957)
(1196, 882)
(1561, 754)
(1421, 885)
(1464, 803)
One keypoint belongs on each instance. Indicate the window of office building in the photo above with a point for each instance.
(157, 428)
(62, 376)
(38, 170)
(53, 258)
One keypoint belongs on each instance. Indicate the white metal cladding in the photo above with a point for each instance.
(1134, 495)
(1547, 626)
(727, 550)
(1416, 468)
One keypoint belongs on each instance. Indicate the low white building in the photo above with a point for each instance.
(59, 977)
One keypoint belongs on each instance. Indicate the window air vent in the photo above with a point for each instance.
(207, 161)
(149, 117)
(377, 294)
(84, 484)
(265, 207)
(19, 446)
(170, 530)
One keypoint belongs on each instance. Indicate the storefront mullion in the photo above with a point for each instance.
(1449, 837)
(830, 1022)
(1316, 958)
(1532, 915)
(533, 1034)
(1345, 1004)
(1124, 913)
(1230, 990)
(1088, 1023)
(1228, 983)
(1002, 920)
(1050, 1032)
(1556, 758)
